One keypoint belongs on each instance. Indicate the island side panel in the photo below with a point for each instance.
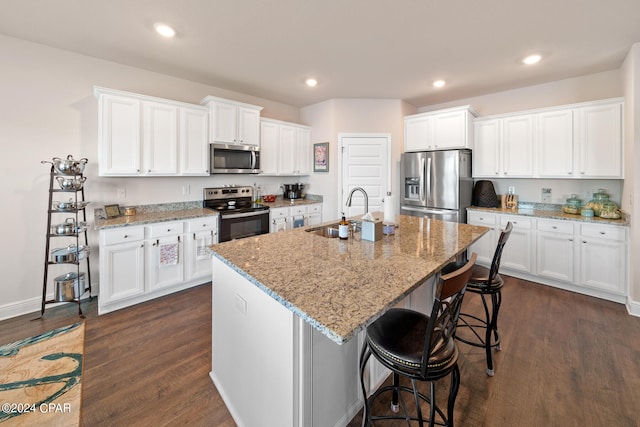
(253, 362)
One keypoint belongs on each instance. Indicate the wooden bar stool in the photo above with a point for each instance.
(421, 348)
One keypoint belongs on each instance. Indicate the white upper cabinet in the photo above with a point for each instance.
(160, 138)
(503, 147)
(555, 144)
(285, 148)
(119, 130)
(233, 122)
(439, 130)
(145, 136)
(194, 141)
(573, 141)
(599, 140)
(517, 146)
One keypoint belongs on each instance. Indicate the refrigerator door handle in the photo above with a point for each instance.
(421, 183)
(428, 173)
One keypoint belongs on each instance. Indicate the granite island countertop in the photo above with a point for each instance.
(541, 211)
(339, 286)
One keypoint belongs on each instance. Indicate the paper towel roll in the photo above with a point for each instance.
(389, 208)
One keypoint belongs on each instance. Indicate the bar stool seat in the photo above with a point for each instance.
(421, 348)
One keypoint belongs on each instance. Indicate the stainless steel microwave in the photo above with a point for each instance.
(234, 158)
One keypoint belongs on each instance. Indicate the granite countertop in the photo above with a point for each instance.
(540, 210)
(341, 286)
(285, 203)
(148, 214)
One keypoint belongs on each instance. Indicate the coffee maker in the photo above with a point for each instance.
(292, 191)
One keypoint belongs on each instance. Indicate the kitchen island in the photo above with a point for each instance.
(288, 309)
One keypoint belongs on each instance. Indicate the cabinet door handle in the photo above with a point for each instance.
(603, 233)
(584, 241)
(571, 240)
(554, 227)
(126, 236)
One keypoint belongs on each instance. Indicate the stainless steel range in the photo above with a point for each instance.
(239, 216)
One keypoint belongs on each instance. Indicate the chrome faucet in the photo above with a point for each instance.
(366, 198)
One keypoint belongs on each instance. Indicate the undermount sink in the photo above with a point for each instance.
(331, 230)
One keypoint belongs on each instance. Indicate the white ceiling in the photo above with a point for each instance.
(355, 48)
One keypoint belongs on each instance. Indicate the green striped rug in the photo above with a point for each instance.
(40, 379)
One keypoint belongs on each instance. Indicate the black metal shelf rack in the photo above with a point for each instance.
(79, 235)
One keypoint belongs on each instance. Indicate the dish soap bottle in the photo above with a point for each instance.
(343, 228)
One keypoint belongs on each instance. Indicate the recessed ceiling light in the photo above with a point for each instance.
(311, 82)
(439, 83)
(164, 30)
(532, 59)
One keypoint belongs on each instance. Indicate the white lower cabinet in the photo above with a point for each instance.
(200, 234)
(286, 218)
(518, 251)
(589, 258)
(121, 264)
(486, 246)
(603, 258)
(164, 255)
(555, 250)
(144, 262)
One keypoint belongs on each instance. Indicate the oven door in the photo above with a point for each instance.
(245, 224)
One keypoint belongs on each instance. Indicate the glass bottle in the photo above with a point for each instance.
(343, 228)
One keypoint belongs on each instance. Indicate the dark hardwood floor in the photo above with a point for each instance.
(567, 360)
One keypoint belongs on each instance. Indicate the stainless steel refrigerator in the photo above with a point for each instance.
(436, 184)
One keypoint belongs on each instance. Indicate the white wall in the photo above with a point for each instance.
(47, 109)
(631, 78)
(330, 118)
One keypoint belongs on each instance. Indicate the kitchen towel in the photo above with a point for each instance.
(168, 254)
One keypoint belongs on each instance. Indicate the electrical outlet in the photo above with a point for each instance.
(186, 190)
(122, 193)
(512, 189)
(546, 195)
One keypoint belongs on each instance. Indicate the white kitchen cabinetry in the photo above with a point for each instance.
(314, 214)
(555, 144)
(159, 138)
(599, 140)
(590, 258)
(194, 141)
(284, 148)
(503, 147)
(139, 263)
(164, 255)
(573, 141)
(199, 235)
(603, 258)
(486, 245)
(279, 219)
(555, 251)
(146, 136)
(122, 272)
(439, 130)
(518, 251)
(233, 122)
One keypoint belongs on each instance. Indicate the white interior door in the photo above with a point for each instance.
(364, 162)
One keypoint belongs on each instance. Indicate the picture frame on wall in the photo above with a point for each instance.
(321, 157)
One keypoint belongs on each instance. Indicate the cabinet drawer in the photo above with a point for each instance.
(201, 224)
(555, 226)
(279, 213)
(481, 218)
(122, 235)
(164, 229)
(603, 232)
(298, 210)
(315, 208)
(517, 221)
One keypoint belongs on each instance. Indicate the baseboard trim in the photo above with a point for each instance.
(33, 305)
(633, 307)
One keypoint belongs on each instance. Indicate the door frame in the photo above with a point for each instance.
(341, 136)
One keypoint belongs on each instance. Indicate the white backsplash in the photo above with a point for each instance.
(530, 190)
